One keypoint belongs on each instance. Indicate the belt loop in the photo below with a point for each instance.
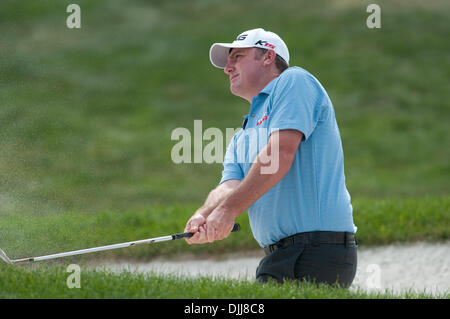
(292, 240)
(315, 239)
(347, 240)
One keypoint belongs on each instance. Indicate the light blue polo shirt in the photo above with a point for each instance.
(312, 196)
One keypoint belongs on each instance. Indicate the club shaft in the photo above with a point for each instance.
(95, 249)
(109, 247)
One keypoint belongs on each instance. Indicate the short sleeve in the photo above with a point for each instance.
(296, 103)
(231, 167)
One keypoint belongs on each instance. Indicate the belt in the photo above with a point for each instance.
(314, 238)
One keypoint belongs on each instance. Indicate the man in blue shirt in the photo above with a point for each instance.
(285, 166)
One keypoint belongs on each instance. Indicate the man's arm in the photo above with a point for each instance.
(215, 197)
(281, 148)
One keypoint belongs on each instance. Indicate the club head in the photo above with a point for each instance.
(4, 257)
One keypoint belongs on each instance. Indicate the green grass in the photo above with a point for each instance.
(86, 118)
(51, 282)
(401, 220)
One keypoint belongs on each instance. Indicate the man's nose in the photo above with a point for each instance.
(228, 68)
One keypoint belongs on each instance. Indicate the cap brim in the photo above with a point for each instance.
(218, 53)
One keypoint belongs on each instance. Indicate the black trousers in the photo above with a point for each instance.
(309, 260)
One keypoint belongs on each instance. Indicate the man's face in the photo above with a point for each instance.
(244, 72)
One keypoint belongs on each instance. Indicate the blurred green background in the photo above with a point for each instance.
(86, 114)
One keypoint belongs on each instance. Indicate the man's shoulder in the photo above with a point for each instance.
(295, 72)
(295, 76)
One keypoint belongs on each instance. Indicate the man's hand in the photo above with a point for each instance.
(219, 224)
(197, 225)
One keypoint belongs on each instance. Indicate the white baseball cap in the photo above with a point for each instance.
(258, 38)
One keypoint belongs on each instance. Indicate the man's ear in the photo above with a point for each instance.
(269, 57)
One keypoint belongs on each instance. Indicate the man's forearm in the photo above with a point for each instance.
(217, 196)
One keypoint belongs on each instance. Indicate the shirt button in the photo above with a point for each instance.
(253, 115)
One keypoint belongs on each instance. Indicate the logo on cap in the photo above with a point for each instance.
(265, 44)
(241, 37)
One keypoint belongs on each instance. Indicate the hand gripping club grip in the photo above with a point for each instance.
(236, 228)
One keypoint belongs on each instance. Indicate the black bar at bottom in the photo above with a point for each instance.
(217, 308)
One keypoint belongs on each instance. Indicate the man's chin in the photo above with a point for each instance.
(234, 89)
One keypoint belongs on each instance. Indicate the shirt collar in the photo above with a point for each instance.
(269, 87)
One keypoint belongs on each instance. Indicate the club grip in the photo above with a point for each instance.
(236, 228)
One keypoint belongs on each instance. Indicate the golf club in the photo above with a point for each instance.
(5, 258)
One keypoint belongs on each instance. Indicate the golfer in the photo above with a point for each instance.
(285, 167)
